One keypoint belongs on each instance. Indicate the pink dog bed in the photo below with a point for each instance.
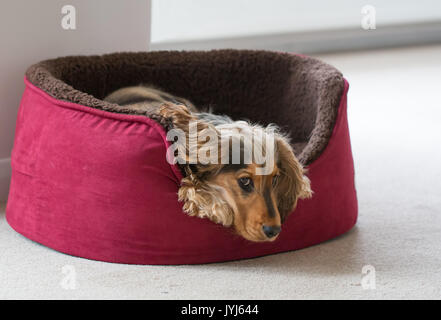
(91, 180)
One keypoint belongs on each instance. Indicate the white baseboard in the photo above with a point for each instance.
(321, 41)
(5, 177)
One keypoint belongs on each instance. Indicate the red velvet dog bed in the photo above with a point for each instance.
(91, 180)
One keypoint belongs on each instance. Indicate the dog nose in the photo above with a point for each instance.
(271, 231)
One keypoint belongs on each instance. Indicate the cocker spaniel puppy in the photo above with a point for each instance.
(236, 173)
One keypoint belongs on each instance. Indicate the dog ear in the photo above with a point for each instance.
(200, 198)
(190, 142)
(204, 201)
(179, 119)
(292, 184)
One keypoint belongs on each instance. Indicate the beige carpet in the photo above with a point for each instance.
(395, 121)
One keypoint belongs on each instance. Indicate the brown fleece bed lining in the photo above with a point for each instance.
(300, 94)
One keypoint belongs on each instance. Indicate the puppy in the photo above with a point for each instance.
(251, 192)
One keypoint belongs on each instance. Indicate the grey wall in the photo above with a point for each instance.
(301, 26)
(195, 20)
(31, 31)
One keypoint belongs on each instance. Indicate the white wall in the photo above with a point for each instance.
(186, 20)
(31, 31)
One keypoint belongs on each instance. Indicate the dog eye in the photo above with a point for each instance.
(246, 184)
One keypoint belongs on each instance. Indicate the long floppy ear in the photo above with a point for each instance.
(200, 198)
(188, 147)
(179, 118)
(204, 200)
(292, 184)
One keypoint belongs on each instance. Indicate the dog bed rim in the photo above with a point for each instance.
(161, 131)
(109, 115)
(44, 76)
(338, 122)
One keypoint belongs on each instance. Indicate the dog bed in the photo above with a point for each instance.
(90, 179)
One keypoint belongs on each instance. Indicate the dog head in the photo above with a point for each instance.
(254, 196)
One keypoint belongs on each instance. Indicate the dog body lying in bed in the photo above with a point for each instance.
(232, 189)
